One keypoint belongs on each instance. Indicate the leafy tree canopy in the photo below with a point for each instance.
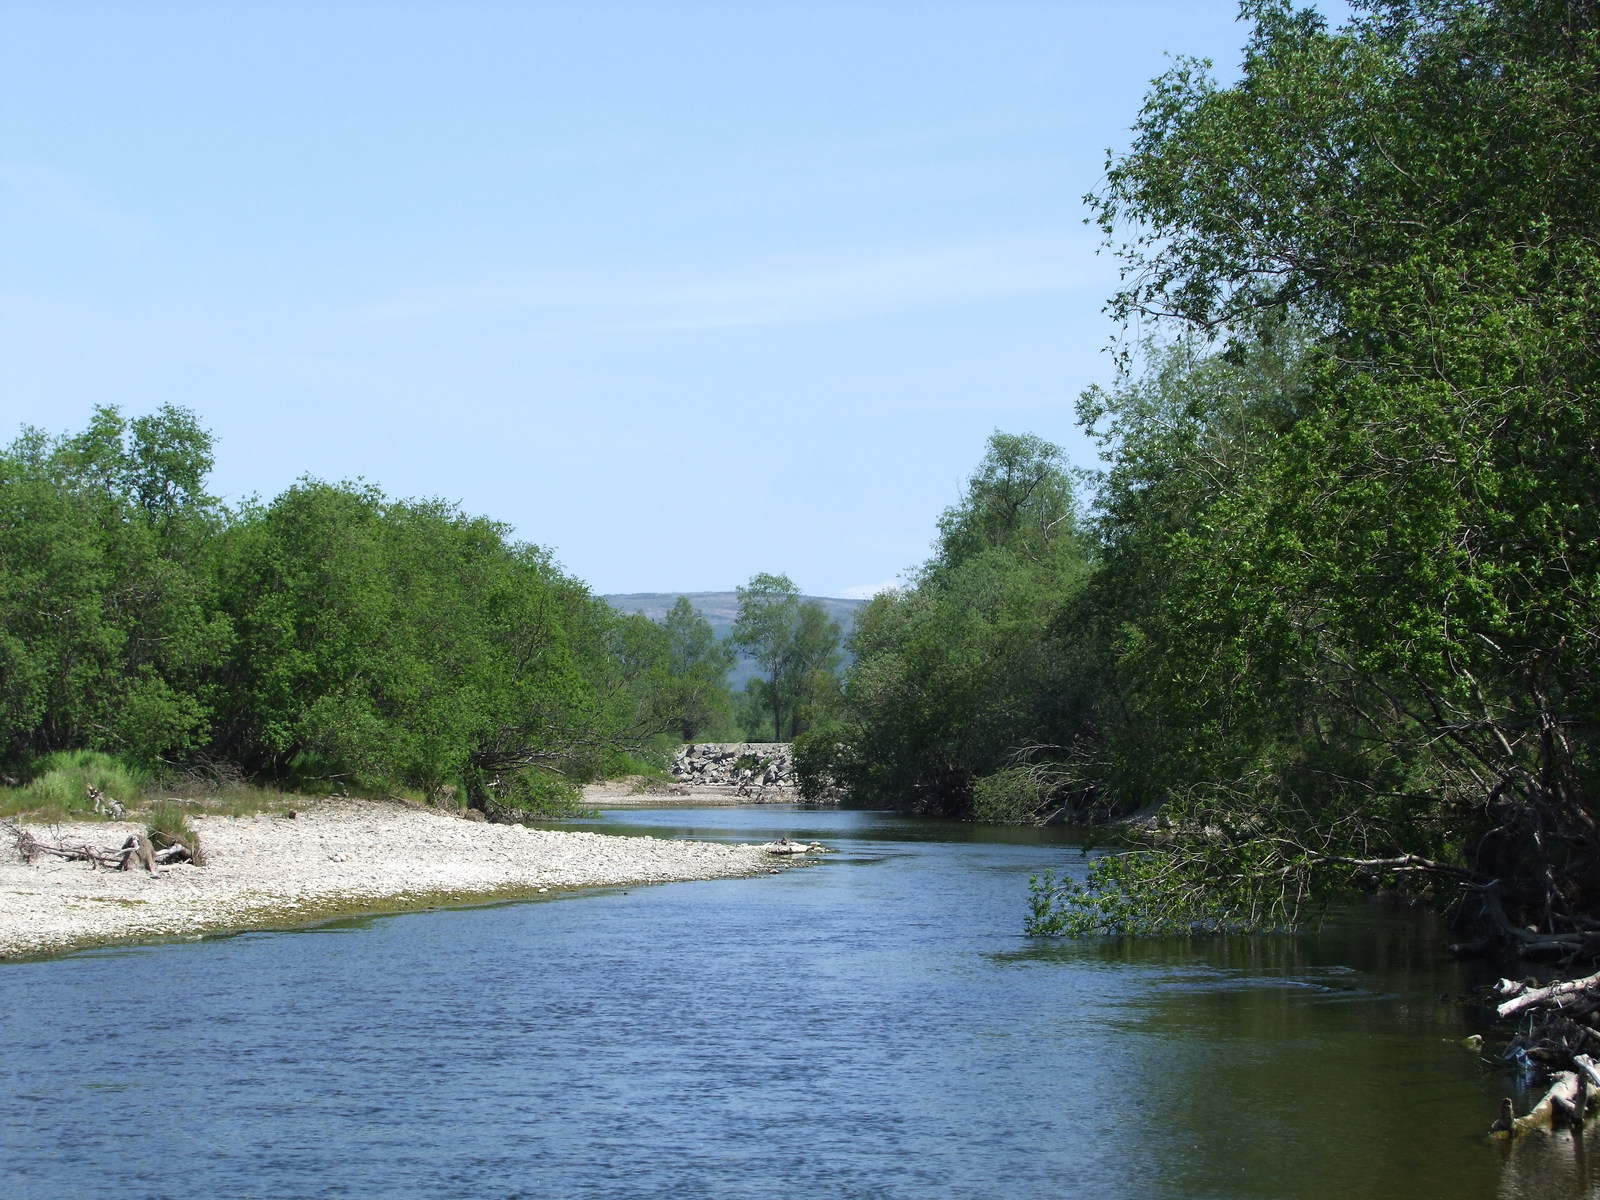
(334, 635)
(1357, 604)
(796, 644)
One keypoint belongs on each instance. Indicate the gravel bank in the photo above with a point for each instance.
(625, 794)
(338, 857)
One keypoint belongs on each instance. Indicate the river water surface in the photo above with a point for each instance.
(871, 1025)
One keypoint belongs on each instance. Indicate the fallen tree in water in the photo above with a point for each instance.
(1557, 1037)
(1570, 1095)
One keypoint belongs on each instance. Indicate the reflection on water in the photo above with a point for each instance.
(869, 1025)
(1555, 1164)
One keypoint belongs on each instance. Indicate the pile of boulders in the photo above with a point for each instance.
(749, 768)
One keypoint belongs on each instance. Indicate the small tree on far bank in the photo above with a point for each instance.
(698, 665)
(796, 645)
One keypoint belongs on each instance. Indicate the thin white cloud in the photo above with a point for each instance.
(866, 591)
(844, 288)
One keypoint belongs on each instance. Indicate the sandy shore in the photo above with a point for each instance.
(630, 793)
(338, 857)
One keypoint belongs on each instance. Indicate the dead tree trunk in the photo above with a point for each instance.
(1559, 1034)
(137, 849)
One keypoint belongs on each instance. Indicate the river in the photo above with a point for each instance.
(871, 1025)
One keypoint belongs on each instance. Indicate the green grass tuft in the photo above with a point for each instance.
(58, 785)
(168, 824)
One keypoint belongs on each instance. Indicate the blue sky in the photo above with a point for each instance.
(681, 291)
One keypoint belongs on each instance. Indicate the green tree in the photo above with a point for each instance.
(795, 643)
(107, 636)
(333, 634)
(697, 665)
(1383, 621)
(402, 639)
(814, 660)
(1020, 500)
(959, 675)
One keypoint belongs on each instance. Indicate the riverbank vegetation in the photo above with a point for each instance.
(795, 643)
(333, 639)
(959, 677)
(1328, 618)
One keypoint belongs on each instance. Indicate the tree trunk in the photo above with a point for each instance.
(777, 710)
(477, 785)
(137, 849)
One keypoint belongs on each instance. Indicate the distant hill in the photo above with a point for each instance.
(722, 609)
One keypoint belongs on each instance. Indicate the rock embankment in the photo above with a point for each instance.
(337, 857)
(757, 770)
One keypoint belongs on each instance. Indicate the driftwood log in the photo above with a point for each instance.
(103, 804)
(1568, 1099)
(1558, 1036)
(1570, 993)
(136, 851)
(784, 846)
